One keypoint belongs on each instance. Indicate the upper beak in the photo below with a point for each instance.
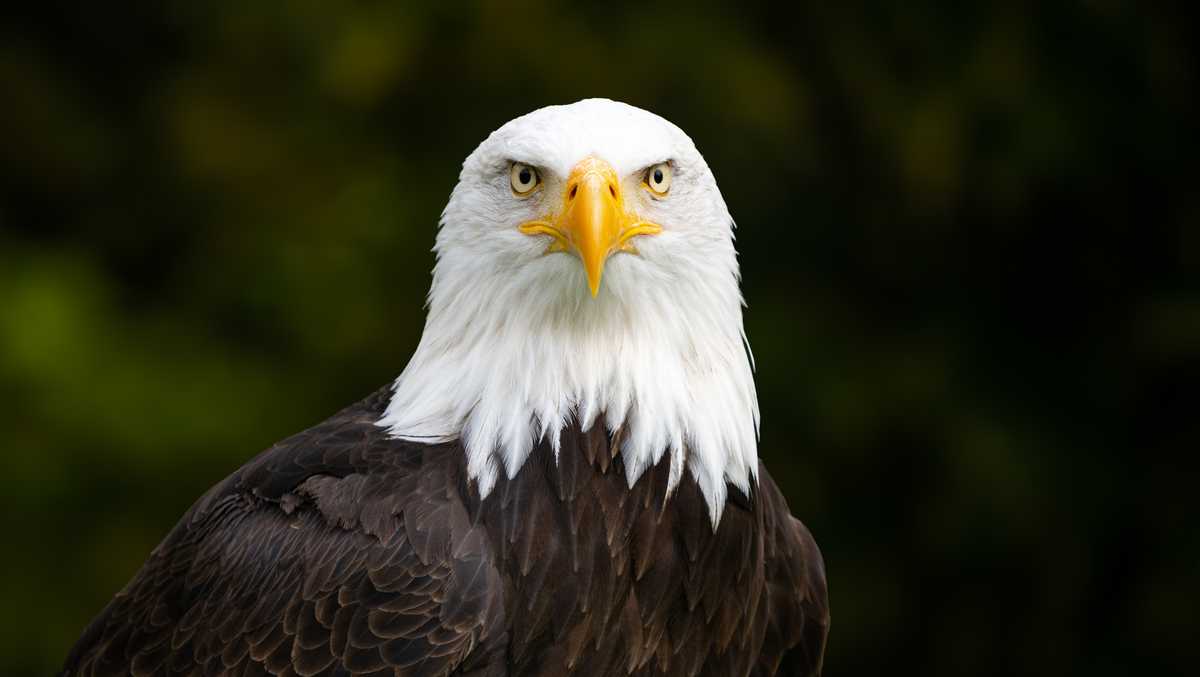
(593, 221)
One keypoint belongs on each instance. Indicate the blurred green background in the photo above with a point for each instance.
(969, 239)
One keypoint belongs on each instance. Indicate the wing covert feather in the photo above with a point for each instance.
(336, 551)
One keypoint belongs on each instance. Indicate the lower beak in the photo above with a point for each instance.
(593, 221)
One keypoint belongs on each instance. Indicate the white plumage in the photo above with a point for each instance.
(515, 345)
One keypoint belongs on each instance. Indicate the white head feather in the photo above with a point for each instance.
(515, 346)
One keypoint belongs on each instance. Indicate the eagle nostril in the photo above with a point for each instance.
(571, 195)
(612, 190)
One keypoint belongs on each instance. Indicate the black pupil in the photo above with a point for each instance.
(658, 176)
(525, 176)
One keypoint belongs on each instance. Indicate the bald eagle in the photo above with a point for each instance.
(563, 481)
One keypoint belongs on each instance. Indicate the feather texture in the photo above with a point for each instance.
(342, 551)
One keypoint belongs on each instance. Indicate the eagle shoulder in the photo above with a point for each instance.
(336, 551)
(796, 589)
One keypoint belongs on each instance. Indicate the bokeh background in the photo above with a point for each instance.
(969, 241)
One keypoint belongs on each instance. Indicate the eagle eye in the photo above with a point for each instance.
(523, 179)
(658, 178)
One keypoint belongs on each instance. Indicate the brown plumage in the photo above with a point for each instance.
(340, 551)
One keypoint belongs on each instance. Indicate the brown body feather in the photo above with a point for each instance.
(340, 551)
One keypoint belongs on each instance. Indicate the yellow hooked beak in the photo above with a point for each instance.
(592, 222)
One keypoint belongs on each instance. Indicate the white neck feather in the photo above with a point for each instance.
(509, 362)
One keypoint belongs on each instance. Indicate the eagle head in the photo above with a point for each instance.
(586, 275)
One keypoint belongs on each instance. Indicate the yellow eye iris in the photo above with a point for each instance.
(658, 178)
(523, 179)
